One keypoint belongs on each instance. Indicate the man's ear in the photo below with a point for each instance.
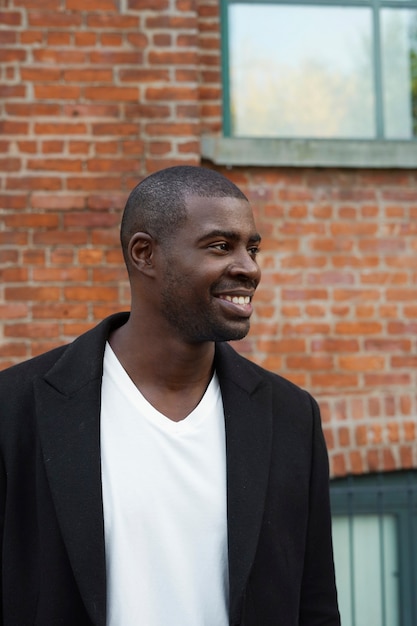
(141, 251)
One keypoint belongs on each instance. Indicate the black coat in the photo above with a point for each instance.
(51, 514)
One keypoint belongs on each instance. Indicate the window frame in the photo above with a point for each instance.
(310, 152)
(387, 493)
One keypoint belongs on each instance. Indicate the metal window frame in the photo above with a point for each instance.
(374, 5)
(378, 153)
(390, 493)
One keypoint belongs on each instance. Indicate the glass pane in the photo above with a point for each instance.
(399, 67)
(299, 71)
(366, 562)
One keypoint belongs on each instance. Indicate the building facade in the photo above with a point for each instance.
(96, 95)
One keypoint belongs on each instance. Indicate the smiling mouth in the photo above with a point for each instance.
(237, 299)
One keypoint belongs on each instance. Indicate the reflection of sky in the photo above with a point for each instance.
(329, 35)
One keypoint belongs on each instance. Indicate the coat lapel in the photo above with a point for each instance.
(248, 419)
(68, 402)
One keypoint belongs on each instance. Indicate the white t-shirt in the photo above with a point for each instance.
(164, 496)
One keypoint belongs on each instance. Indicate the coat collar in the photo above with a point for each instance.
(68, 402)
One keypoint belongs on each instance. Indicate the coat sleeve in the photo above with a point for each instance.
(318, 602)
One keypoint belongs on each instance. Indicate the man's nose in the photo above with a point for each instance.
(245, 265)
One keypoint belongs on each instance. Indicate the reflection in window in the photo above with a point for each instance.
(366, 562)
(324, 71)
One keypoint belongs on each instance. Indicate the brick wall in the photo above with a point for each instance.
(93, 96)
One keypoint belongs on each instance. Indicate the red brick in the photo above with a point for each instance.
(87, 294)
(54, 237)
(20, 294)
(179, 57)
(110, 20)
(93, 5)
(147, 110)
(174, 130)
(15, 201)
(55, 274)
(12, 55)
(60, 128)
(358, 328)
(31, 220)
(144, 75)
(85, 39)
(119, 129)
(52, 146)
(10, 18)
(88, 75)
(91, 219)
(32, 183)
(33, 257)
(171, 94)
(83, 183)
(32, 330)
(30, 109)
(143, 5)
(56, 92)
(161, 40)
(59, 57)
(361, 363)
(13, 311)
(118, 94)
(28, 147)
(53, 19)
(59, 311)
(113, 57)
(13, 128)
(31, 37)
(137, 40)
(55, 165)
(336, 381)
(58, 38)
(112, 165)
(110, 111)
(111, 39)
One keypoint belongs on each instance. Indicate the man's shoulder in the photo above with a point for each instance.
(23, 373)
(248, 367)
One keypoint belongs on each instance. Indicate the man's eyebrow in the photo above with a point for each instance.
(231, 235)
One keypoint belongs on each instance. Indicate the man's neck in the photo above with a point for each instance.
(172, 375)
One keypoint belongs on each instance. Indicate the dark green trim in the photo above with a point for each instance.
(395, 494)
(249, 151)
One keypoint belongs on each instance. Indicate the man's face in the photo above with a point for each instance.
(210, 271)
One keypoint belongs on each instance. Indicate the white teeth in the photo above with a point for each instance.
(238, 299)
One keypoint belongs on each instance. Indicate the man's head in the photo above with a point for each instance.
(190, 244)
(157, 205)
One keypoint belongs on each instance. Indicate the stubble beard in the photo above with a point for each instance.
(197, 324)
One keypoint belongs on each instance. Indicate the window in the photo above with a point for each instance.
(375, 548)
(320, 70)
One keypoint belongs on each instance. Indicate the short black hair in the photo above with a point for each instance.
(157, 205)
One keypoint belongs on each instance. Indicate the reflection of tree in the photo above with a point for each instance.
(277, 97)
(396, 74)
(310, 100)
(413, 74)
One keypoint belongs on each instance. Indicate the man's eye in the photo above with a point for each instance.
(254, 250)
(223, 246)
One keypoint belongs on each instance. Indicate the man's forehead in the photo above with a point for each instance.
(216, 205)
(227, 217)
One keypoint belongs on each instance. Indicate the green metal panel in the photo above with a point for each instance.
(385, 494)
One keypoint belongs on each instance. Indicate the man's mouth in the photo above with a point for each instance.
(237, 299)
(237, 304)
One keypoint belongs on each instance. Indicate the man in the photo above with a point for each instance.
(150, 476)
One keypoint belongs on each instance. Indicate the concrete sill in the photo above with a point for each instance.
(344, 153)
